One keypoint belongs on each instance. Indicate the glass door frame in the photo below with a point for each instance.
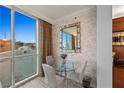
(12, 57)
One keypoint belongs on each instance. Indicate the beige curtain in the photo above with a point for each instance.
(46, 29)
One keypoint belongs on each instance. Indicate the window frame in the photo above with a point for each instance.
(12, 56)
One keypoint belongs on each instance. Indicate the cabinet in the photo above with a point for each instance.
(118, 24)
(118, 37)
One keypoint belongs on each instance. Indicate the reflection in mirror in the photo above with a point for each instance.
(70, 38)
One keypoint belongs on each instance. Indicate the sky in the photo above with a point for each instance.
(25, 27)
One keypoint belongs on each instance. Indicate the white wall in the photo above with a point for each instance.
(104, 46)
(87, 18)
(117, 11)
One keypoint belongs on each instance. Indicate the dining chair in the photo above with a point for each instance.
(78, 74)
(54, 81)
(50, 60)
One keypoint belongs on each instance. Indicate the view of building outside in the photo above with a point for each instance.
(5, 45)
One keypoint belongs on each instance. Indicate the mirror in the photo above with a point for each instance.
(70, 38)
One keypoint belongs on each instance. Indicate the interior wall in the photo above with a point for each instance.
(87, 18)
(117, 11)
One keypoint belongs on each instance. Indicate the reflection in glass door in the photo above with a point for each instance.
(5, 46)
(25, 46)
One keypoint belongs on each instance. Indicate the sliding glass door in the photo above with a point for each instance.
(25, 46)
(18, 46)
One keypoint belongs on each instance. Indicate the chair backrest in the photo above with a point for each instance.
(49, 60)
(81, 69)
(0, 85)
(50, 75)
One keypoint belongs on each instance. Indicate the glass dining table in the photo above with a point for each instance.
(64, 67)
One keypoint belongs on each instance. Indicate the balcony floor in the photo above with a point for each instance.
(38, 82)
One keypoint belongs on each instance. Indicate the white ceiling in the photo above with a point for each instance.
(52, 12)
(117, 11)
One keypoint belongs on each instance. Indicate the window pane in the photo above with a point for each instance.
(25, 43)
(5, 46)
(25, 34)
(5, 29)
(69, 41)
(24, 67)
(64, 41)
(5, 72)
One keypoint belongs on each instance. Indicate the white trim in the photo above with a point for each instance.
(37, 39)
(12, 47)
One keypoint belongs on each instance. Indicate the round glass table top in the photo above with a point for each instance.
(65, 66)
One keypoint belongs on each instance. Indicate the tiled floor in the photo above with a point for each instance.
(40, 82)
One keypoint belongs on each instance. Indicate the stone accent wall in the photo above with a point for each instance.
(87, 17)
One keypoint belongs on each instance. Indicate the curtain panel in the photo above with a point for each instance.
(46, 29)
